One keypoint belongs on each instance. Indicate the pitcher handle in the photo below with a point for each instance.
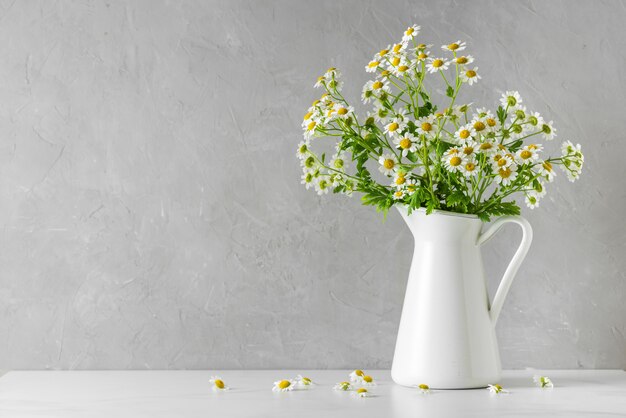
(516, 261)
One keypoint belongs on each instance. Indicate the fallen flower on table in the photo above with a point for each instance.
(357, 375)
(543, 382)
(303, 382)
(217, 383)
(361, 393)
(424, 388)
(345, 386)
(283, 386)
(367, 380)
(496, 389)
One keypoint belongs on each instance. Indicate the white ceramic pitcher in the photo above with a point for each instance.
(447, 335)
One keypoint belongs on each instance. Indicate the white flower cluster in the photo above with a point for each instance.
(440, 159)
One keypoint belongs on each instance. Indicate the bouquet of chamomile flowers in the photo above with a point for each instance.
(454, 158)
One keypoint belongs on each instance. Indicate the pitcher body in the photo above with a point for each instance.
(446, 337)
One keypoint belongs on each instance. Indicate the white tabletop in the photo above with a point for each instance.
(154, 394)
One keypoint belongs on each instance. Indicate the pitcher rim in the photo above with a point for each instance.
(438, 212)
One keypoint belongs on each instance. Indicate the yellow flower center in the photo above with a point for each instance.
(385, 73)
(470, 73)
(461, 60)
(486, 146)
(342, 111)
(405, 143)
(470, 166)
(320, 78)
(437, 63)
(455, 161)
(400, 180)
(505, 173)
(306, 380)
(547, 165)
(311, 126)
(479, 126)
(395, 61)
(357, 371)
(377, 85)
(403, 68)
(501, 162)
(491, 122)
(411, 188)
(368, 379)
(393, 126)
(422, 56)
(464, 134)
(383, 52)
(421, 46)
(532, 146)
(396, 48)
(468, 150)
(388, 164)
(219, 384)
(331, 69)
(453, 151)
(284, 384)
(397, 194)
(308, 115)
(424, 387)
(525, 154)
(409, 31)
(453, 47)
(361, 390)
(427, 127)
(373, 64)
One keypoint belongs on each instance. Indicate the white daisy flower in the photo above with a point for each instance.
(339, 162)
(543, 381)
(528, 154)
(308, 180)
(361, 393)
(463, 60)
(322, 186)
(397, 195)
(453, 161)
(410, 186)
(399, 179)
(342, 111)
(545, 169)
(535, 120)
(488, 147)
(321, 81)
(407, 143)
(303, 149)
(372, 66)
(309, 129)
(283, 386)
(218, 384)
(511, 99)
(501, 160)
(410, 33)
(531, 201)
(399, 48)
(470, 76)
(437, 64)
(424, 388)
(454, 46)
(395, 126)
(388, 164)
(496, 389)
(356, 375)
(426, 126)
(548, 131)
(421, 54)
(345, 386)
(303, 382)
(464, 133)
(506, 175)
(382, 114)
(402, 68)
(469, 168)
(469, 147)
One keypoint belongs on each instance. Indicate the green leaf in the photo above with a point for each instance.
(501, 114)
(449, 91)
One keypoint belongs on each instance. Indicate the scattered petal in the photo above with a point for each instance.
(543, 382)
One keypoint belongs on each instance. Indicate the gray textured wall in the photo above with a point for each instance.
(152, 215)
